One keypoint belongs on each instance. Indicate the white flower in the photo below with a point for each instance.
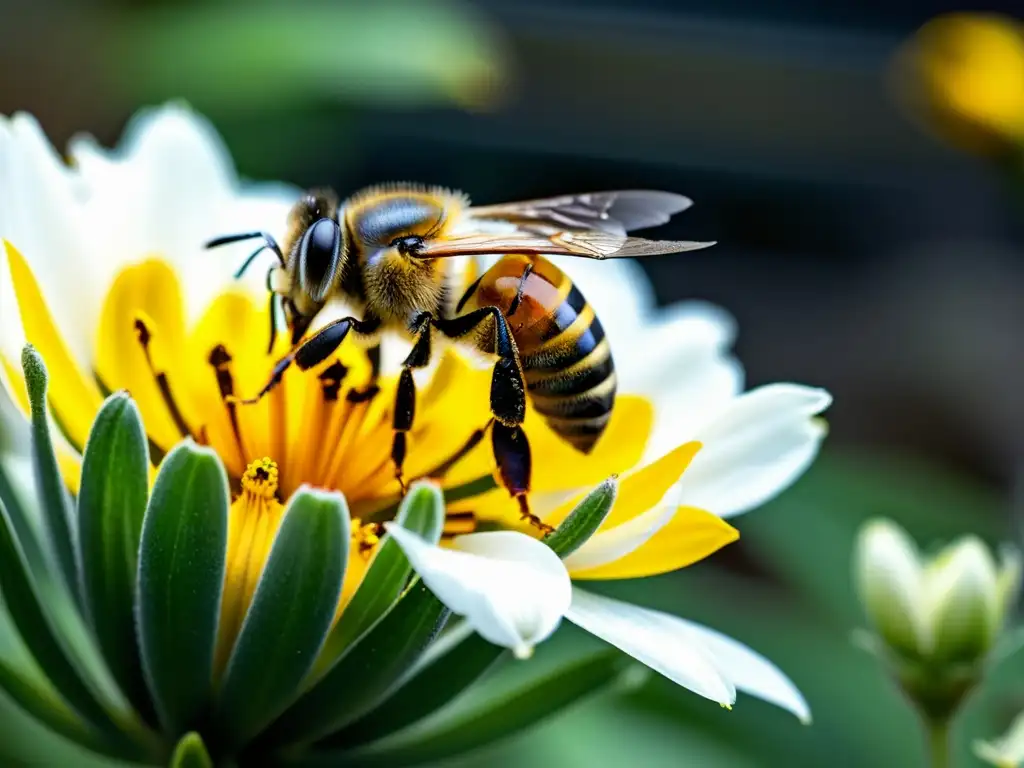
(948, 607)
(713, 451)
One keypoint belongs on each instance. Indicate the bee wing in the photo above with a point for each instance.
(589, 244)
(613, 212)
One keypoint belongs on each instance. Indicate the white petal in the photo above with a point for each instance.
(619, 292)
(657, 640)
(749, 671)
(682, 362)
(185, 192)
(510, 587)
(41, 216)
(612, 544)
(754, 448)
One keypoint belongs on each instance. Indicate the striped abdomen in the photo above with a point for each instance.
(570, 377)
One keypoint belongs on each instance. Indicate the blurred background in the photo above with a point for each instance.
(871, 242)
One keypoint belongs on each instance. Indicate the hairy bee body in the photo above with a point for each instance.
(565, 357)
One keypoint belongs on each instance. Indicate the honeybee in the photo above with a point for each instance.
(386, 252)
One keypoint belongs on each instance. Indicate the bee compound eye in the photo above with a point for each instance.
(318, 257)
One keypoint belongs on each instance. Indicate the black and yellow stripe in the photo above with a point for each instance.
(570, 376)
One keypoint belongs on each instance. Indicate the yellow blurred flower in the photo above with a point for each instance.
(963, 75)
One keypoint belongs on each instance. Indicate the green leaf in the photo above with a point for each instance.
(25, 527)
(190, 752)
(111, 505)
(46, 646)
(181, 576)
(422, 512)
(291, 611)
(536, 699)
(448, 668)
(53, 494)
(584, 520)
(49, 710)
(366, 671)
(417, 51)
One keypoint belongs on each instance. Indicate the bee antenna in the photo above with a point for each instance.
(250, 260)
(268, 239)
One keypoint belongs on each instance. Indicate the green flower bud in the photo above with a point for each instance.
(943, 610)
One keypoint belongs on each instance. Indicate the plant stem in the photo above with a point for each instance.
(938, 742)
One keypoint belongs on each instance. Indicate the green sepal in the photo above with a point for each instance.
(422, 512)
(447, 669)
(49, 710)
(291, 612)
(21, 600)
(190, 752)
(584, 520)
(53, 494)
(537, 697)
(111, 506)
(370, 667)
(181, 575)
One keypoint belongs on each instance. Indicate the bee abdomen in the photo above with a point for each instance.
(566, 360)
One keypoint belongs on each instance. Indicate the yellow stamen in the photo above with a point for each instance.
(253, 522)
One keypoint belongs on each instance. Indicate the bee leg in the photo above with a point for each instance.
(508, 402)
(405, 395)
(314, 350)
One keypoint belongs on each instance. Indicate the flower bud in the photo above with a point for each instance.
(961, 600)
(890, 581)
(945, 609)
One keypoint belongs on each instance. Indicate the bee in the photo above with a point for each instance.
(386, 252)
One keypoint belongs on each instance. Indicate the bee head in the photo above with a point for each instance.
(316, 249)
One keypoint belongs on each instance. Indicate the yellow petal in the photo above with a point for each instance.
(253, 522)
(691, 535)
(148, 292)
(640, 490)
(73, 395)
(558, 467)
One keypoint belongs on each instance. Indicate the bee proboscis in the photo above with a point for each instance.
(385, 252)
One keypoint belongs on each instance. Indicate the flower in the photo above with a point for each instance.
(963, 73)
(1005, 752)
(950, 607)
(937, 618)
(117, 293)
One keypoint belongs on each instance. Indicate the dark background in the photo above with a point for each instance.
(857, 252)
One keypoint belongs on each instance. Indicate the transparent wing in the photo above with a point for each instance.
(590, 244)
(612, 212)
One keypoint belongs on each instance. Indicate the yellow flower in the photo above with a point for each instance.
(964, 72)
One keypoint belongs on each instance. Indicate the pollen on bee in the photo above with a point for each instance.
(261, 478)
